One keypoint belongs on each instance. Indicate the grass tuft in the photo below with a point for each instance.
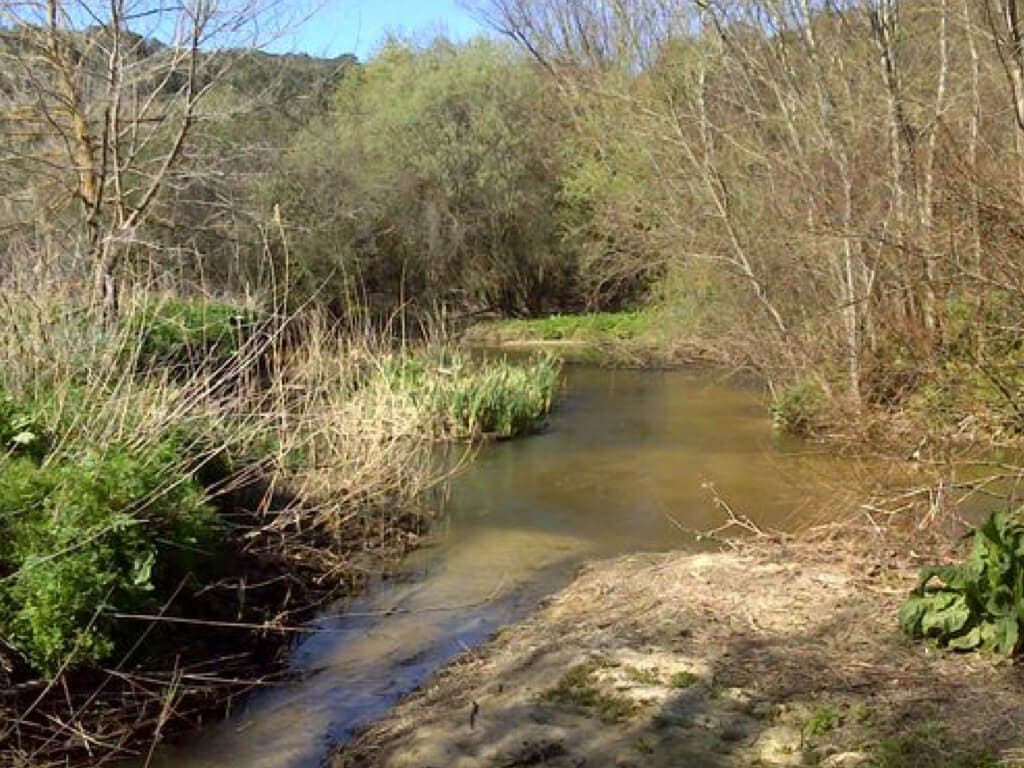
(579, 689)
(467, 398)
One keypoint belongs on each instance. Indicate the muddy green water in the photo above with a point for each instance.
(623, 467)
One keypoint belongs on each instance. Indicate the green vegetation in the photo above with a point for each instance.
(978, 604)
(650, 336)
(180, 332)
(568, 179)
(129, 492)
(798, 408)
(21, 430)
(822, 720)
(97, 522)
(468, 398)
(862, 713)
(644, 675)
(684, 680)
(587, 327)
(579, 688)
(648, 180)
(929, 747)
(442, 161)
(90, 532)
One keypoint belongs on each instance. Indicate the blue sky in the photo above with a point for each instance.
(356, 26)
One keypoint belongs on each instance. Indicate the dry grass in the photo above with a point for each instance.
(324, 472)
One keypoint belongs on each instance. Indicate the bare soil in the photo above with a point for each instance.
(774, 655)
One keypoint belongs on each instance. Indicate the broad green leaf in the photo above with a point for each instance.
(946, 620)
(978, 604)
(967, 642)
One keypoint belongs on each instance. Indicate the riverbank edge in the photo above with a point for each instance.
(168, 696)
(778, 653)
(639, 344)
(156, 694)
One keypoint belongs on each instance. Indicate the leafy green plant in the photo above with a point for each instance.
(181, 331)
(89, 534)
(21, 431)
(822, 720)
(978, 604)
(797, 408)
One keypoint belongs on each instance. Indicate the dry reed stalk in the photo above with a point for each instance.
(332, 466)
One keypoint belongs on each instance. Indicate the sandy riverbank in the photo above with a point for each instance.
(776, 655)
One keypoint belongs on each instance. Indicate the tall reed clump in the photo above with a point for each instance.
(467, 398)
(207, 464)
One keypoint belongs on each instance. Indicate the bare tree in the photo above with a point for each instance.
(98, 102)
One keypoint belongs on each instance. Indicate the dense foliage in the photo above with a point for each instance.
(179, 332)
(849, 219)
(978, 604)
(113, 473)
(433, 179)
(88, 532)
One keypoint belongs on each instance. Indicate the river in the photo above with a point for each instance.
(630, 462)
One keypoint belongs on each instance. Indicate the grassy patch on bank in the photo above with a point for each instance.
(580, 689)
(462, 397)
(648, 336)
(587, 327)
(930, 746)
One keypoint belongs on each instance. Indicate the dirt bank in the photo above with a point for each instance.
(777, 655)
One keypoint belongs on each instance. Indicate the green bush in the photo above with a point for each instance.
(978, 604)
(21, 430)
(85, 535)
(182, 332)
(797, 408)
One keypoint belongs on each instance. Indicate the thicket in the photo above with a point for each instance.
(432, 179)
(204, 461)
(829, 195)
(845, 227)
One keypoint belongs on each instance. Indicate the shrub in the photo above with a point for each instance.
(183, 332)
(85, 535)
(21, 432)
(797, 408)
(978, 604)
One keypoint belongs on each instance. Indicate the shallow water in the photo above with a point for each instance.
(624, 467)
